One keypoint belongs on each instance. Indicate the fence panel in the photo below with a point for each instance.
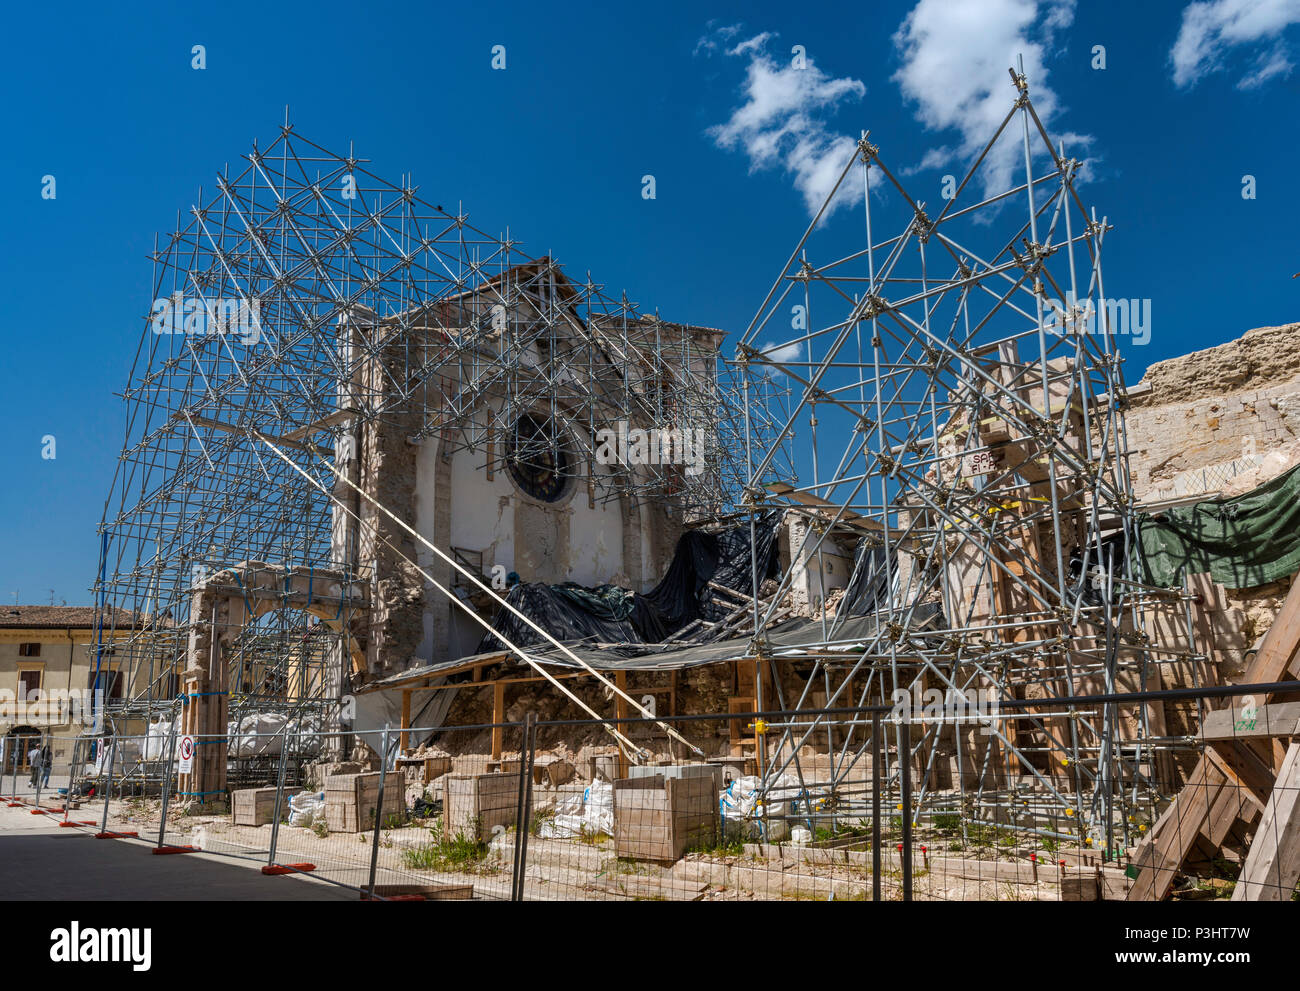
(868, 810)
(460, 836)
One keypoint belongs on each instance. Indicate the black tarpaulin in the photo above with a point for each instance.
(724, 558)
(869, 583)
(572, 613)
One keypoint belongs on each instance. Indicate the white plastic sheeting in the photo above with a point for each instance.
(257, 735)
(307, 808)
(262, 734)
(591, 812)
(157, 741)
(743, 806)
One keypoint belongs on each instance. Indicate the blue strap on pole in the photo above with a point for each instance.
(243, 592)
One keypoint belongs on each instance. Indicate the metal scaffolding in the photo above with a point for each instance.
(964, 399)
(300, 302)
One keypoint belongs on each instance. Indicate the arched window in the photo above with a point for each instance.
(538, 457)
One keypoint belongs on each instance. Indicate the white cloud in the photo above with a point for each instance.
(1212, 27)
(714, 39)
(1272, 63)
(934, 158)
(783, 354)
(780, 123)
(955, 58)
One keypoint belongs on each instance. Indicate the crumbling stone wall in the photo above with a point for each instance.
(1205, 410)
(702, 689)
(388, 474)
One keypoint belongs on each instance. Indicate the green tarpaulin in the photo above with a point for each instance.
(1242, 542)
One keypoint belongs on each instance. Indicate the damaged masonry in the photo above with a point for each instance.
(461, 520)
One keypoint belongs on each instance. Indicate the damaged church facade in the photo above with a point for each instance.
(451, 486)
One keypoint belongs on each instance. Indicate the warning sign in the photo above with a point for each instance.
(186, 750)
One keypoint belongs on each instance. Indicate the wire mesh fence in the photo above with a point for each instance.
(878, 821)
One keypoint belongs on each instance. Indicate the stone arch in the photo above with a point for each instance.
(221, 606)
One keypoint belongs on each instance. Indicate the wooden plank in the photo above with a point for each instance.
(621, 711)
(1272, 868)
(498, 717)
(1238, 723)
(1277, 654)
(1175, 832)
(420, 680)
(1015, 455)
(1204, 606)
(1229, 806)
(830, 510)
(1167, 847)
(1252, 773)
(406, 720)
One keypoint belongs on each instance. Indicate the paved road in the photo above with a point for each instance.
(45, 862)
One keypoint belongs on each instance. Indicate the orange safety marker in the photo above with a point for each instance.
(113, 836)
(274, 869)
(175, 849)
(74, 822)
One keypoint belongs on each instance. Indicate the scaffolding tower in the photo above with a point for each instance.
(963, 392)
(301, 300)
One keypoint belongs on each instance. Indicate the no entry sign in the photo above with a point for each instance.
(187, 754)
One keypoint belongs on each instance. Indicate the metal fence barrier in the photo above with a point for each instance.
(353, 809)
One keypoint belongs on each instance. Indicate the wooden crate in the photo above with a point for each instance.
(254, 806)
(658, 819)
(430, 768)
(470, 764)
(351, 800)
(474, 804)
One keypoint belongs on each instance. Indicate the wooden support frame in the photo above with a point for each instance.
(1189, 816)
(621, 712)
(498, 717)
(405, 743)
(1272, 868)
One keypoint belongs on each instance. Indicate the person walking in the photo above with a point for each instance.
(34, 759)
(47, 762)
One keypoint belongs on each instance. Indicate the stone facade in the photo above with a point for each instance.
(1217, 423)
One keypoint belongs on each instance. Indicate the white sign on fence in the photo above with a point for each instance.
(186, 751)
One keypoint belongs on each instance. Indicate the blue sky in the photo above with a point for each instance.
(1192, 98)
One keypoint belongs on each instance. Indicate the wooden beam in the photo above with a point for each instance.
(406, 720)
(417, 679)
(1243, 769)
(1275, 719)
(1272, 868)
(1175, 833)
(828, 509)
(621, 711)
(1188, 816)
(498, 716)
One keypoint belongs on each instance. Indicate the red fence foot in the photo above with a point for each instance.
(175, 849)
(113, 836)
(274, 869)
(394, 898)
